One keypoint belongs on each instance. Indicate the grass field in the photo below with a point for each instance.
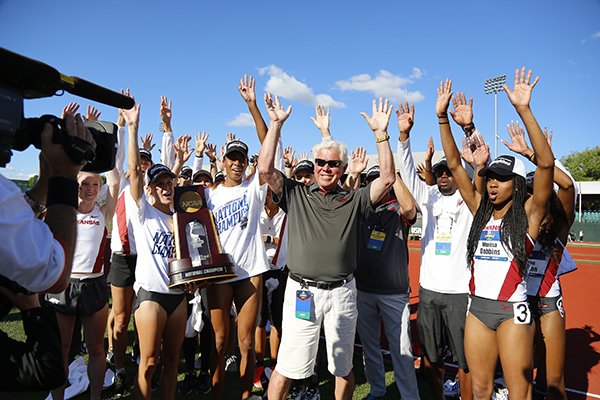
(13, 327)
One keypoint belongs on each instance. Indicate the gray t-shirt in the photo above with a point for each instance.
(323, 229)
(383, 266)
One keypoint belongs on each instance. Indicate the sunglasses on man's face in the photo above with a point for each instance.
(332, 163)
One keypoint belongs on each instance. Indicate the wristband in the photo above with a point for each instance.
(443, 116)
(36, 207)
(467, 129)
(62, 191)
(443, 123)
(382, 138)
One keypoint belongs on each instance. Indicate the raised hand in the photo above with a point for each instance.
(520, 95)
(358, 161)
(182, 151)
(548, 136)
(430, 150)
(166, 112)
(146, 142)
(246, 89)
(463, 111)
(466, 153)
(481, 154)
(406, 117)
(275, 109)
(132, 116)
(321, 119)
(70, 109)
(517, 144)
(211, 151)
(288, 156)
(380, 118)
(421, 171)
(92, 114)
(201, 138)
(303, 156)
(230, 137)
(444, 94)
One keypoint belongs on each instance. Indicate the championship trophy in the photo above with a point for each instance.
(197, 247)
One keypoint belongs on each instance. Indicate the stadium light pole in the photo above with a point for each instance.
(494, 85)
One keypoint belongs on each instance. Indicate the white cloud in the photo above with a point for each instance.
(242, 119)
(593, 36)
(385, 84)
(284, 85)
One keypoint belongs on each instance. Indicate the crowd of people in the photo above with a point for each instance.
(320, 247)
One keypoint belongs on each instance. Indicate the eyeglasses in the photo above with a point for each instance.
(332, 163)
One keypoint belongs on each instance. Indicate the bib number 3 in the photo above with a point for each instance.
(522, 313)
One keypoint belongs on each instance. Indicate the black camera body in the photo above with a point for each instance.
(21, 78)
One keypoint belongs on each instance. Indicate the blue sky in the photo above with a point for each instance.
(340, 52)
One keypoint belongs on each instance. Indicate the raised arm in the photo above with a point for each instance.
(136, 176)
(93, 114)
(358, 163)
(428, 171)
(405, 199)
(211, 153)
(288, 161)
(201, 138)
(248, 93)
(322, 120)
(122, 144)
(167, 154)
(266, 159)
(467, 190)
(378, 122)
(113, 182)
(566, 186)
(520, 97)
(182, 153)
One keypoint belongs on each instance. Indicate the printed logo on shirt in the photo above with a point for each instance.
(88, 222)
(232, 213)
(163, 244)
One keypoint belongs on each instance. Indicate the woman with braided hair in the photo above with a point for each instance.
(506, 224)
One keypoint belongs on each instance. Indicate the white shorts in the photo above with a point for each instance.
(336, 310)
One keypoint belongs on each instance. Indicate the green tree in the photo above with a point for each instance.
(584, 165)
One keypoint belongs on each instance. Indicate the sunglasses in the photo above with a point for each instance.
(332, 163)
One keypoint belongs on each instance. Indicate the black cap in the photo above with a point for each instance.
(220, 176)
(157, 170)
(186, 172)
(304, 165)
(237, 145)
(146, 153)
(442, 164)
(200, 173)
(373, 172)
(505, 166)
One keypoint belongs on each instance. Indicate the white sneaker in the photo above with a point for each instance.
(451, 388)
(500, 393)
(231, 364)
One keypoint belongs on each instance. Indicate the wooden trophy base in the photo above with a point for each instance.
(182, 271)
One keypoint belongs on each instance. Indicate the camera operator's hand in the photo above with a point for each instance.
(59, 162)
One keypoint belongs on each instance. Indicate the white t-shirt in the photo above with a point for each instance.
(31, 257)
(272, 227)
(88, 260)
(446, 224)
(236, 211)
(156, 247)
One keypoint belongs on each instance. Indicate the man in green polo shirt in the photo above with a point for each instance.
(323, 223)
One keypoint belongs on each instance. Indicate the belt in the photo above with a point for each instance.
(320, 284)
